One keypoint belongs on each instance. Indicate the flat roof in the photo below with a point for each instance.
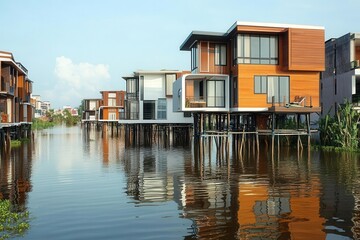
(222, 36)
(279, 25)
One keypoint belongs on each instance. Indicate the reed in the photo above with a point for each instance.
(341, 130)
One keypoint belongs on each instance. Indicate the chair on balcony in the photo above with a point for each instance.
(298, 102)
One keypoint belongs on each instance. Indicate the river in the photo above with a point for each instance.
(80, 184)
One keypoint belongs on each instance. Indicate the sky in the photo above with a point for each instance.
(75, 49)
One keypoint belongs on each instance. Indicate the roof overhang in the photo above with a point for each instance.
(196, 36)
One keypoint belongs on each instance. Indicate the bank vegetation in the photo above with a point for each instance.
(341, 130)
(52, 118)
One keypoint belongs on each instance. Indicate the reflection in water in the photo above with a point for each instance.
(15, 174)
(205, 190)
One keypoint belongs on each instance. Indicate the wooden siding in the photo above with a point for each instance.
(306, 49)
(107, 111)
(207, 59)
(204, 57)
(189, 88)
(357, 53)
(301, 84)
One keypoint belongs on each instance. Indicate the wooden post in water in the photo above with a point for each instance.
(272, 134)
(308, 128)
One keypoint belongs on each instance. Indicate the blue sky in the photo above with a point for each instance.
(75, 49)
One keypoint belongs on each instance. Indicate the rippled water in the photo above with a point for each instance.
(80, 184)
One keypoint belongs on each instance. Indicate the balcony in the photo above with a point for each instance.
(195, 102)
(7, 89)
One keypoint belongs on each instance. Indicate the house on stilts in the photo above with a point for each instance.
(251, 78)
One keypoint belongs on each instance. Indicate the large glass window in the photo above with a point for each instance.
(194, 57)
(161, 111)
(279, 88)
(132, 85)
(220, 54)
(260, 84)
(149, 109)
(256, 49)
(215, 93)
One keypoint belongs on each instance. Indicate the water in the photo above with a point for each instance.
(90, 185)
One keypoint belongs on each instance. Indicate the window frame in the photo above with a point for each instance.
(220, 54)
(161, 109)
(265, 53)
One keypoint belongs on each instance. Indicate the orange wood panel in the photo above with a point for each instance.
(306, 49)
(204, 56)
(189, 88)
(301, 84)
(105, 113)
(357, 53)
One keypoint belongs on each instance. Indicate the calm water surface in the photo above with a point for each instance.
(80, 184)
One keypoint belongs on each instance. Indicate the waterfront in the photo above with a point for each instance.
(80, 184)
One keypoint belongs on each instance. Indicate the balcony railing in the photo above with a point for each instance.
(201, 102)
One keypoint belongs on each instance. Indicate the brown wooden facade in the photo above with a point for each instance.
(15, 91)
(112, 105)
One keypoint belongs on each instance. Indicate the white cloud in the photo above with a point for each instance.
(76, 81)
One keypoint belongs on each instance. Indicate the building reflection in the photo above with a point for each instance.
(248, 196)
(15, 174)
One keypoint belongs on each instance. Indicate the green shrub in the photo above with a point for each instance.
(12, 223)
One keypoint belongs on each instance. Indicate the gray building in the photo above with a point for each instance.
(341, 78)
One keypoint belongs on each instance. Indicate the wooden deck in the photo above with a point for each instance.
(294, 109)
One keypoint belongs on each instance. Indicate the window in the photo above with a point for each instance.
(215, 93)
(161, 112)
(132, 110)
(260, 84)
(149, 110)
(220, 54)
(256, 49)
(278, 87)
(112, 116)
(132, 85)
(234, 97)
(194, 57)
(112, 102)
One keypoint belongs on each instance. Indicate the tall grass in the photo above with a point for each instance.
(39, 124)
(341, 130)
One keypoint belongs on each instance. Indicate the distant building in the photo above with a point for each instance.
(112, 105)
(72, 111)
(45, 107)
(149, 98)
(15, 91)
(341, 78)
(91, 109)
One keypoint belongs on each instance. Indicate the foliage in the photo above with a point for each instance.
(340, 130)
(15, 143)
(39, 124)
(12, 223)
(69, 119)
(51, 119)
